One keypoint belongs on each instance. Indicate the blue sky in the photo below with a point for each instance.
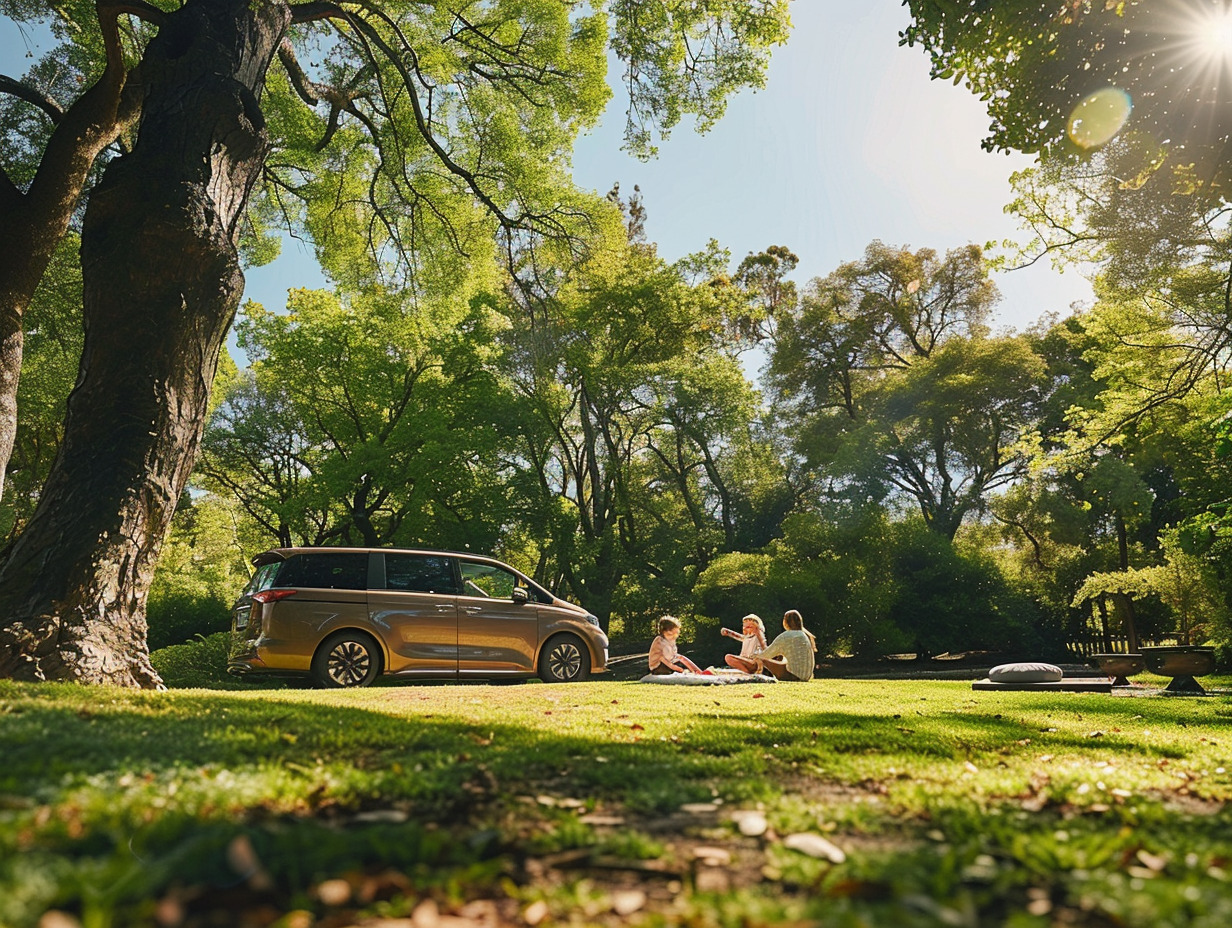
(848, 142)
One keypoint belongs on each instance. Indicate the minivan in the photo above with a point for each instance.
(346, 616)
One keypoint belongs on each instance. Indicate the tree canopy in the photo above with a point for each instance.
(1039, 66)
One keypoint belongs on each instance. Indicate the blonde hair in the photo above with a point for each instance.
(667, 623)
(756, 620)
(793, 620)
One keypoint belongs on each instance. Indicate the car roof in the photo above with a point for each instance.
(281, 554)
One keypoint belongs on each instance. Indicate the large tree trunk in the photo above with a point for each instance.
(33, 222)
(162, 283)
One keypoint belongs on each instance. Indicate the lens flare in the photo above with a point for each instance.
(1098, 117)
(1212, 34)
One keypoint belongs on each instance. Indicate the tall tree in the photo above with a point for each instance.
(395, 445)
(895, 387)
(633, 413)
(414, 107)
(1127, 103)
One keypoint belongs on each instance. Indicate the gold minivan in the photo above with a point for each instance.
(345, 616)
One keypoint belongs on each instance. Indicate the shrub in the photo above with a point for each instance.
(202, 664)
(199, 664)
(175, 617)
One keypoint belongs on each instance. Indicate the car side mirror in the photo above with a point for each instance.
(520, 596)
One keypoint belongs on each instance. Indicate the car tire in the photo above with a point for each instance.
(564, 659)
(346, 659)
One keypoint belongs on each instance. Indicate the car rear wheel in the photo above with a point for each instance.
(346, 659)
(564, 659)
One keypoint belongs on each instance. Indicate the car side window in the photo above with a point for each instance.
(420, 573)
(263, 578)
(488, 580)
(329, 571)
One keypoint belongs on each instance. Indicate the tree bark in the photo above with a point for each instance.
(32, 223)
(162, 283)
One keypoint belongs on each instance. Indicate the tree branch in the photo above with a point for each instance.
(317, 11)
(25, 92)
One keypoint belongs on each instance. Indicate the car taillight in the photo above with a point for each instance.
(271, 596)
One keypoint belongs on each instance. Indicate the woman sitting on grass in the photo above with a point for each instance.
(792, 654)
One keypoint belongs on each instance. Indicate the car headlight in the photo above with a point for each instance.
(593, 620)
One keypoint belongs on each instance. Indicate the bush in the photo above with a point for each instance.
(175, 617)
(199, 664)
(870, 586)
(202, 664)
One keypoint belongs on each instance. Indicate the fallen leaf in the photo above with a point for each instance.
(628, 901)
(750, 823)
(334, 892)
(1155, 862)
(712, 856)
(426, 915)
(815, 846)
(54, 918)
(600, 820)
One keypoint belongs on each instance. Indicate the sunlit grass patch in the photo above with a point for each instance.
(939, 798)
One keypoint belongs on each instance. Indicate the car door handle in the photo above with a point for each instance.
(471, 610)
(444, 607)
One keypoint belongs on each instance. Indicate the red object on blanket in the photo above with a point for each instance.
(707, 673)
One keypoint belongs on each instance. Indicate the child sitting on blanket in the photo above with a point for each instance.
(664, 658)
(753, 642)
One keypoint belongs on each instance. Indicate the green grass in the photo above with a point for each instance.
(952, 807)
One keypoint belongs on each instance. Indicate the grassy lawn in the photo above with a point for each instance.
(833, 803)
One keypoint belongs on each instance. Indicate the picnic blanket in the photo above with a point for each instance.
(716, 677)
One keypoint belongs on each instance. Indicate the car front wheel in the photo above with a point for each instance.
(565, 659)
(346, 659)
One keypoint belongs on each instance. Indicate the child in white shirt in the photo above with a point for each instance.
(753, 642)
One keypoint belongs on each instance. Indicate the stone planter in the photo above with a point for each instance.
(1182, 663)
(1119, 666)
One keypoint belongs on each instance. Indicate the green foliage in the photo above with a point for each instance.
(174, 618)
(201, 570)
(1032, 64)
(869, 586)
(635, 431)
(398, 445)
(896, 391)
(685, 59)
(199, 664)
(53, 339)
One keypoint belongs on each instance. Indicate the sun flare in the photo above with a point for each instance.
(1211, 33)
